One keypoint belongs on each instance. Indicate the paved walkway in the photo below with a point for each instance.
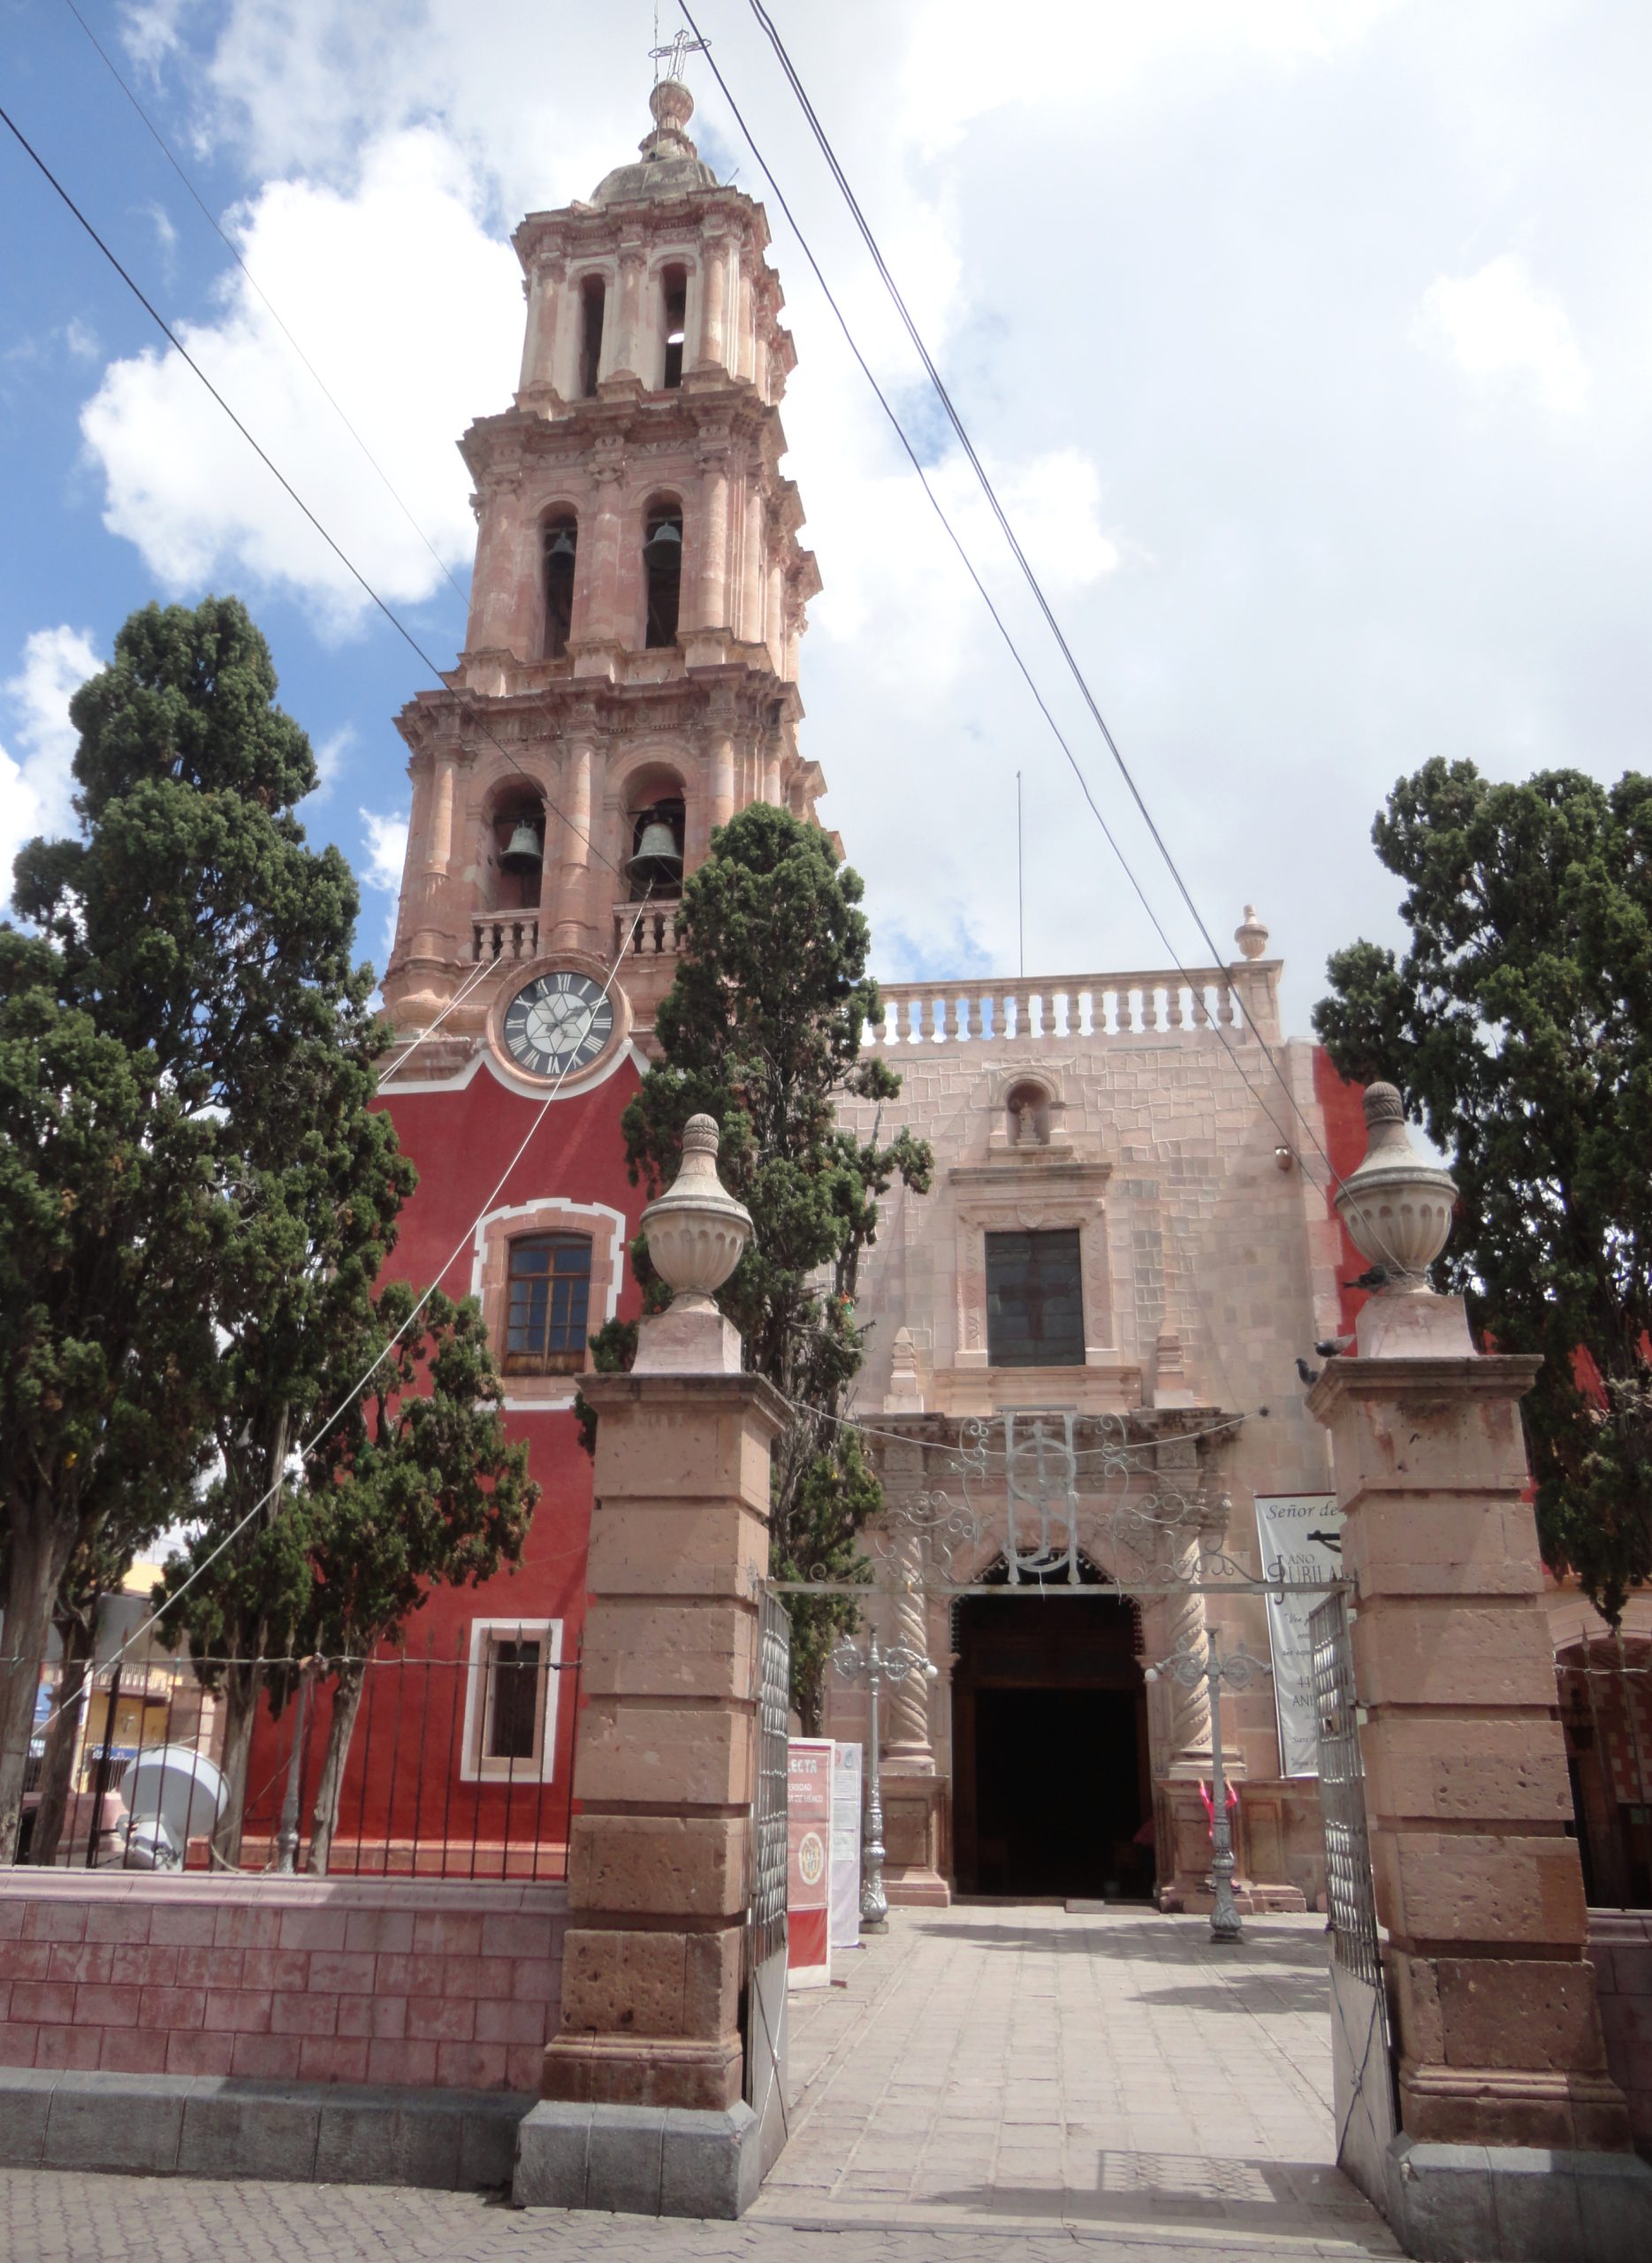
(1105, 2071)
(992, 2084)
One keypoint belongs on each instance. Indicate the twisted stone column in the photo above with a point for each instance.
(907, 1745)
(1185, 1625)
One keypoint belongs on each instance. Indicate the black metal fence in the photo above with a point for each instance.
(454, 1766)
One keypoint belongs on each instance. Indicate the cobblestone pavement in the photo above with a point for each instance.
(993, 2085)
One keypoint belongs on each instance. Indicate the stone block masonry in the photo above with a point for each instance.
(398, 1982)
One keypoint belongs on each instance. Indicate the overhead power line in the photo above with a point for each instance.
(349, 563)
(954, 418)
(309, 1446)
(968, 563)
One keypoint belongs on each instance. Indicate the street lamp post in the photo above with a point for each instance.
(1186, 1665)
(876, 1666)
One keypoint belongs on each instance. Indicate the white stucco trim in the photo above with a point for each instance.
(472, 1768)
(525, 1087)
(596, 1213)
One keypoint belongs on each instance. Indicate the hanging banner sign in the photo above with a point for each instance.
(846, 1797)
(1302, 1539)
(809, 1863)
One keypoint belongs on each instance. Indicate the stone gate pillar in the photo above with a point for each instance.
(1513, 2139)
(641, 2108)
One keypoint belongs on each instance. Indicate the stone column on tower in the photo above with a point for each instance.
(713, 301)
(543, 284)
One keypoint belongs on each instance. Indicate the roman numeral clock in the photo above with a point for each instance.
(558, 1024)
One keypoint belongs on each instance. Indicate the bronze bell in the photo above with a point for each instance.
(522, 853)
(658, 858)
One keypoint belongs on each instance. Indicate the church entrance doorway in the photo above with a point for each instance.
(1052, 1786)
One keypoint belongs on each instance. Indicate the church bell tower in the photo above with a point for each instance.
(629, 679)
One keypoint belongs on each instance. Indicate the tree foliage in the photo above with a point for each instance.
(109, 1224)
(417, 1484)
(222, 1196)
(1519, 1025)
(761, 1030)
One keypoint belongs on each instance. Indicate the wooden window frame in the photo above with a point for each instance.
(567, 1360)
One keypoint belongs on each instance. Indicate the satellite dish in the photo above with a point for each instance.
(175, 1794)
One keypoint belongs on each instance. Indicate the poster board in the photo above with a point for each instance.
(847, 1763)
(809, 1862)
(1301, 1535)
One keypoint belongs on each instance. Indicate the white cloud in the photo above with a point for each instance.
(1499, 323)
(386, 855)
(411, 313)
(165, 233)
(82, 341)
(386, 850)
(1167, 258)
(36, 791)
(330, 760)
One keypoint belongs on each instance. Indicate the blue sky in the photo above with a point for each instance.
(1309, 341)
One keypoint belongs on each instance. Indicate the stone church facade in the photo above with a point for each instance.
(1128, 1226)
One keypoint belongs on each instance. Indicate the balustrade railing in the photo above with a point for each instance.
(1057, 1006)
(645, 930)
(504, 934)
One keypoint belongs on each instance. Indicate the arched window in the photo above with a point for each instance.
(593, 294)
(550, 1303)
(561, 548)
(662, 568)
(673, 289)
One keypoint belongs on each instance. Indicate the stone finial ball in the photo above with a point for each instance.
(1383, 1104)
(700, 1135)
(1250, 934)
(672, 103)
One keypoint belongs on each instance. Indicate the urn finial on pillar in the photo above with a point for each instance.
(1398, 1208)
(695, 1232)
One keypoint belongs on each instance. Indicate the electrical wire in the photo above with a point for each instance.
(354, 571)
(985, 481)
(1334, 1176)
(470, 983)
(309, 1446)
(274, 312)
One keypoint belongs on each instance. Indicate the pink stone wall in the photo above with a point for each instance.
(1620, 1950)
(314, 1980)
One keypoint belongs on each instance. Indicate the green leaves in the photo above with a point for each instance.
(761, 1029)
(197, 1195)
(1519, 1025)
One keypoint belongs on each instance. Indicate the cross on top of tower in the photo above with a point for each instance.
(674, 55)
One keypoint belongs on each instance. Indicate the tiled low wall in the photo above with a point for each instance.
(352, 1980)
(1620, 1949)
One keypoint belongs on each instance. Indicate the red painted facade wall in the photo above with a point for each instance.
(1342, 1106)
(407, 1735)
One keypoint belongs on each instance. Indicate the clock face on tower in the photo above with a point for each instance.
(557, 1023)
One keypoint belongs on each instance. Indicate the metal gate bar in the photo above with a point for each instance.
(1350, 1896)
(1362, 2060)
